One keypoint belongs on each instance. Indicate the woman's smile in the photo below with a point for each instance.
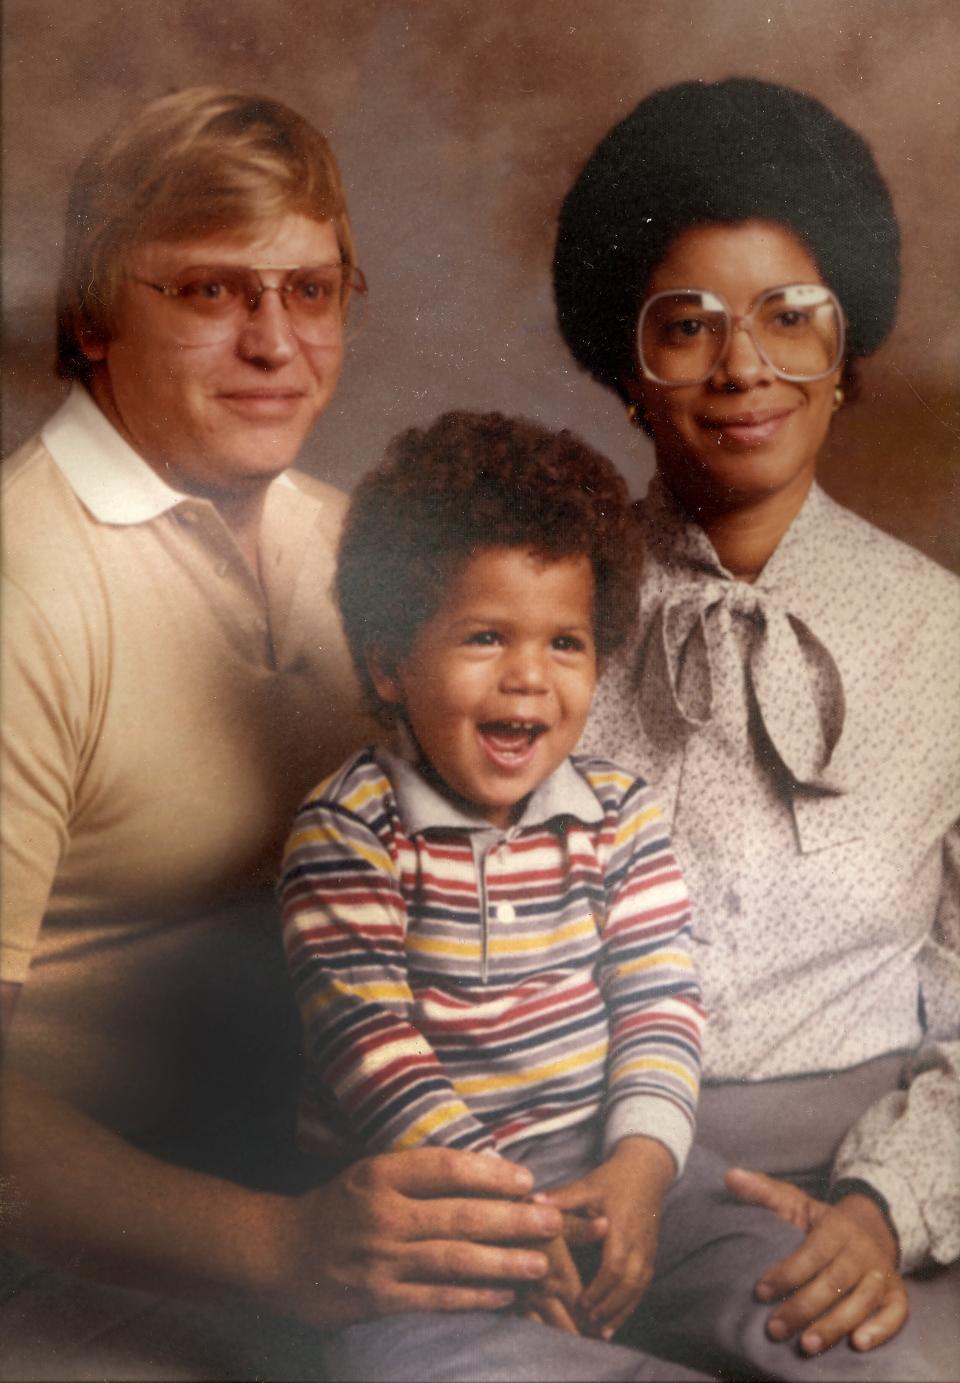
(746, 430)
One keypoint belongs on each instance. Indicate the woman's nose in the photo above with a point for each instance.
(741, 365)
(267, 337)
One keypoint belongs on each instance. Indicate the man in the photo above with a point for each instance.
(168, 640)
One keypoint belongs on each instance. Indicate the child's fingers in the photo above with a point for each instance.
(584, 1229)
(564, 1276)
(576, 1195)
(621, 1281)
(603, 1283)
(584, 1220)
(614, 1326)
(548, 1310)
(604, 1297)
(614, 1308)
(591, 1306)
(561, 1283)
(556, 1314)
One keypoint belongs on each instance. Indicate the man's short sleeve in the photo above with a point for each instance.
(40, 748)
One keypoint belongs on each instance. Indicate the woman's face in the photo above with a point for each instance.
(745, 435)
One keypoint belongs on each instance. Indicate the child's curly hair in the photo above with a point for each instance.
(469, 482)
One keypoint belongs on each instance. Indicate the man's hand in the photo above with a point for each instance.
(627, 1190)
(428, 1230)
(842, 1280)
(432, 1229)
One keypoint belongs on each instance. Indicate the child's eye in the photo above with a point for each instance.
(485, 638)
(568, 643)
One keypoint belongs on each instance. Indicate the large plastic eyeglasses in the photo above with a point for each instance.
(213, 301)
(797, 330)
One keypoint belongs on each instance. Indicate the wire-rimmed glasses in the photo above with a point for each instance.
(212, 301)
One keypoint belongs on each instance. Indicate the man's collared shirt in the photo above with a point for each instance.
(163, 713)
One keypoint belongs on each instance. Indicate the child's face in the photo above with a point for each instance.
(498, 684)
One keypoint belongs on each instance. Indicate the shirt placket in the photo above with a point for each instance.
(491, 852)
(245, 599)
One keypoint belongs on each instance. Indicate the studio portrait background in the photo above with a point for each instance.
(459, 127)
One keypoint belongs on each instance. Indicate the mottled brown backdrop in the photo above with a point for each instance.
(459, 126)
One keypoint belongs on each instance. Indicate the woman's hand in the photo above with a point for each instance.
(842, 1281)
(627, 1190)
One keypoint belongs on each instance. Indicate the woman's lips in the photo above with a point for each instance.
(746, 430)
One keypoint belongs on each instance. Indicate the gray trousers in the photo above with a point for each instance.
(56, 1328)
(700, 1309)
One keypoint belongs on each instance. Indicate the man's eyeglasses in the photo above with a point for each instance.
(213, 301)
(683, 334)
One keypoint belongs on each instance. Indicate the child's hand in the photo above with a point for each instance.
(627, 1189)
(553, 1301)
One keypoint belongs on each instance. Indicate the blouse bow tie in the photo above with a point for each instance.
(791, 677)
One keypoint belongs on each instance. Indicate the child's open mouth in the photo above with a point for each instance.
(510, 743)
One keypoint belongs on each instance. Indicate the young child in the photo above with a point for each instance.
(487, 936)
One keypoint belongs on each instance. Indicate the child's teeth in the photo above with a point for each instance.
(508, 732)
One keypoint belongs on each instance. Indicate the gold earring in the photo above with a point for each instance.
(839, 398)
(633, 413)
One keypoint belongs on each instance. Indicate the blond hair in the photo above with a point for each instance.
(194, 163)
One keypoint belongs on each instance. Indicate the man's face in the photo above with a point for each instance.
(225, 417)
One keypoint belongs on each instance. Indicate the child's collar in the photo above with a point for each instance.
(423, 807)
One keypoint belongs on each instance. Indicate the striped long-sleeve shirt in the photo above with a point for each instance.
(463, 985)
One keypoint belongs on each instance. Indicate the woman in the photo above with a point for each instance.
(726, 255)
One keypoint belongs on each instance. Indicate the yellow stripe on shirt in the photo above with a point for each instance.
(436, 1118)
(508, 945)
(482, 1085)
(637, 823)
(654, 1063)
(679, 959)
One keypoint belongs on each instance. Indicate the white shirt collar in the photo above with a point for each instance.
(103, 470)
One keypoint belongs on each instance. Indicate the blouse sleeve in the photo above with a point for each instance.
(907, 1146)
